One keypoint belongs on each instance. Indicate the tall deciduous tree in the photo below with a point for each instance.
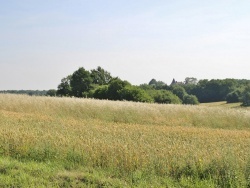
(80, 82)
(157, 84)
(191, 80)
(115, 87)
(234, 96)
(246, 96)
(179, 91)
(64, 88)
(100, 76)
(152, 82)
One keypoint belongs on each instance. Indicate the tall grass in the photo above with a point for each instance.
(129, 140)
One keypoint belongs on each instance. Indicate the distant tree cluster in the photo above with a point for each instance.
(26, 92)
(245, 98)
(231, 90)
(98, 83)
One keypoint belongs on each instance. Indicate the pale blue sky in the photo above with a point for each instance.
(42, 41)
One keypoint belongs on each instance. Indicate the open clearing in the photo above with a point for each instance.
(224, 104)
(63, 142)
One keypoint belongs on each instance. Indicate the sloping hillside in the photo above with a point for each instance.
(54, 142)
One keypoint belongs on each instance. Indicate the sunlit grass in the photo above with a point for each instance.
(224, 104)
(130, 141)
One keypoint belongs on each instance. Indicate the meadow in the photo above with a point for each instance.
(71, 142)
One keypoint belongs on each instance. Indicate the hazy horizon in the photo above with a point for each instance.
(44, 41)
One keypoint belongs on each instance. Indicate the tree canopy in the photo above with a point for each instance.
(246, 96)
(100, 76)
(98, 83)
(80, 82)
(64, 88)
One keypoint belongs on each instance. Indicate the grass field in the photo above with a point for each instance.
(223, 104)
(69, 142)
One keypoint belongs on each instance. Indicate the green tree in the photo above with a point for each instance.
(179, 91)
(51, 92)
(100, 76)
(164, 97)
(213, 90)
(146, 87)
(157, 84)
(152, 82)
(134, 93)
(101, 92)
(115, 87)
(80, 82)
(246, 96)
(191, 80)
(234, 96)
(64, 88)
(190, 99)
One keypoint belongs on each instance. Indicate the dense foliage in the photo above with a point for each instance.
(234, 96)
(246, 96)
(98, 83)
(26, 92)
(164, 96)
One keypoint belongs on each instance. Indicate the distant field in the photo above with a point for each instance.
(69, 142)
(223, 104)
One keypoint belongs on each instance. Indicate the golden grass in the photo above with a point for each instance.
(224, 104)
(123, 136)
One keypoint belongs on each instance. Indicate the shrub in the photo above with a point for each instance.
(179, 91)
(101, 92)
(115, 87)
(51, 92)
(190, 99)
(246, 97)
(164, 96)
(133, 93)
(233, 96)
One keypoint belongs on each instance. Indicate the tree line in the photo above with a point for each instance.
(230, 90)
(100, 84)
(26, 92)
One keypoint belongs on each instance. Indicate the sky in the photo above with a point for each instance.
(42, 41)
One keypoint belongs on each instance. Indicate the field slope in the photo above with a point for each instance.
(69, 142)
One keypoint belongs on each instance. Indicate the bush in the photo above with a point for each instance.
(51, 92)
(179, 91)
(164, 96)
(115, 87)
(122, 90)
(234, 96)
(101, 92)
(190, 99)
(133, 93)
(246, 96)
